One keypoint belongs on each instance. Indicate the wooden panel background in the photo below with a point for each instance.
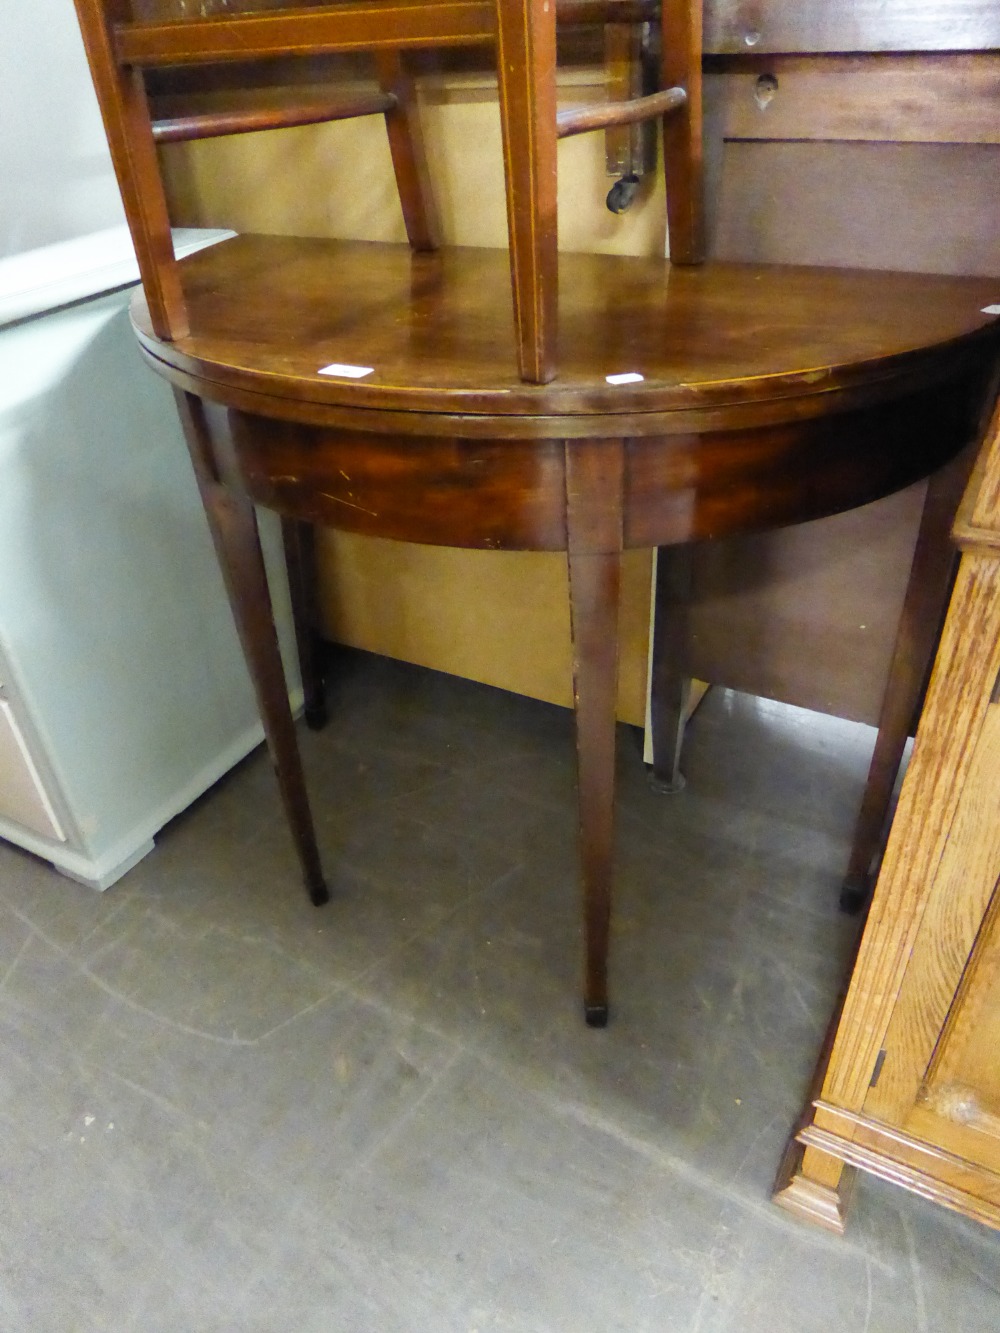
(736, 26)
(888, 160)
(862, 205)
(804, 615)
(899, 98)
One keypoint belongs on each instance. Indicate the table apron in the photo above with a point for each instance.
(510, 494)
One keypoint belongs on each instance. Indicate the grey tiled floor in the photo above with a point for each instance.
(223, 1109)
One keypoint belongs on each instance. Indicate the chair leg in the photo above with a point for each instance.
(232, 521)
(682, 130)
(526, 64)
(409, 160)
(670, 686)
(594, 471)
(300, 560)
(121, 92)
(924, 607)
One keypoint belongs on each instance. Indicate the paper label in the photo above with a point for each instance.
(631, 377)
(345, 372)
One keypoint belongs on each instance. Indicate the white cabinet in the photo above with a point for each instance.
(123, 692)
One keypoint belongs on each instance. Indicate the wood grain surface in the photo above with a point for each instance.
(912, 1091)
(733, 26)
(267, 313)
(892, 99)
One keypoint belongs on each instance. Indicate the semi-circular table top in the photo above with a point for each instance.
(734, 342)
(754, 395)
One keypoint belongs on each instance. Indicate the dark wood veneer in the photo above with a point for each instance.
(438, 331)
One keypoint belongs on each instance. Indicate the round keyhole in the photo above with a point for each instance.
(764, 90)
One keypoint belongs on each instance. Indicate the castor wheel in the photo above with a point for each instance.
(622, 194)
(596, 1015)
(853, 896)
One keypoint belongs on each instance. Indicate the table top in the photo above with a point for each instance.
(268, 314)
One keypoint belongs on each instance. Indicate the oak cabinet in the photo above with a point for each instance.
(910, 1089)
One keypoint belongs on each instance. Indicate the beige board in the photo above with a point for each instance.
(336, 179)
(501, 617)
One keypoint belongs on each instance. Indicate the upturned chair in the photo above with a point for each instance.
(128, 40)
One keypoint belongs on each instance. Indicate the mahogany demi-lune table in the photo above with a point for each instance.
(371, 389)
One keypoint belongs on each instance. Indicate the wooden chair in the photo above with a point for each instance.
(128, 40)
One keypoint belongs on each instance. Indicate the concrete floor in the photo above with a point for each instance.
(224, 1109)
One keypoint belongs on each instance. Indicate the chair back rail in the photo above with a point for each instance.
(128, 39)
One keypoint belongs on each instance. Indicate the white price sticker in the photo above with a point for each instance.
(339, 371)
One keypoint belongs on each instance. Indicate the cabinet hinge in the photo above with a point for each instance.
(877, 1071)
